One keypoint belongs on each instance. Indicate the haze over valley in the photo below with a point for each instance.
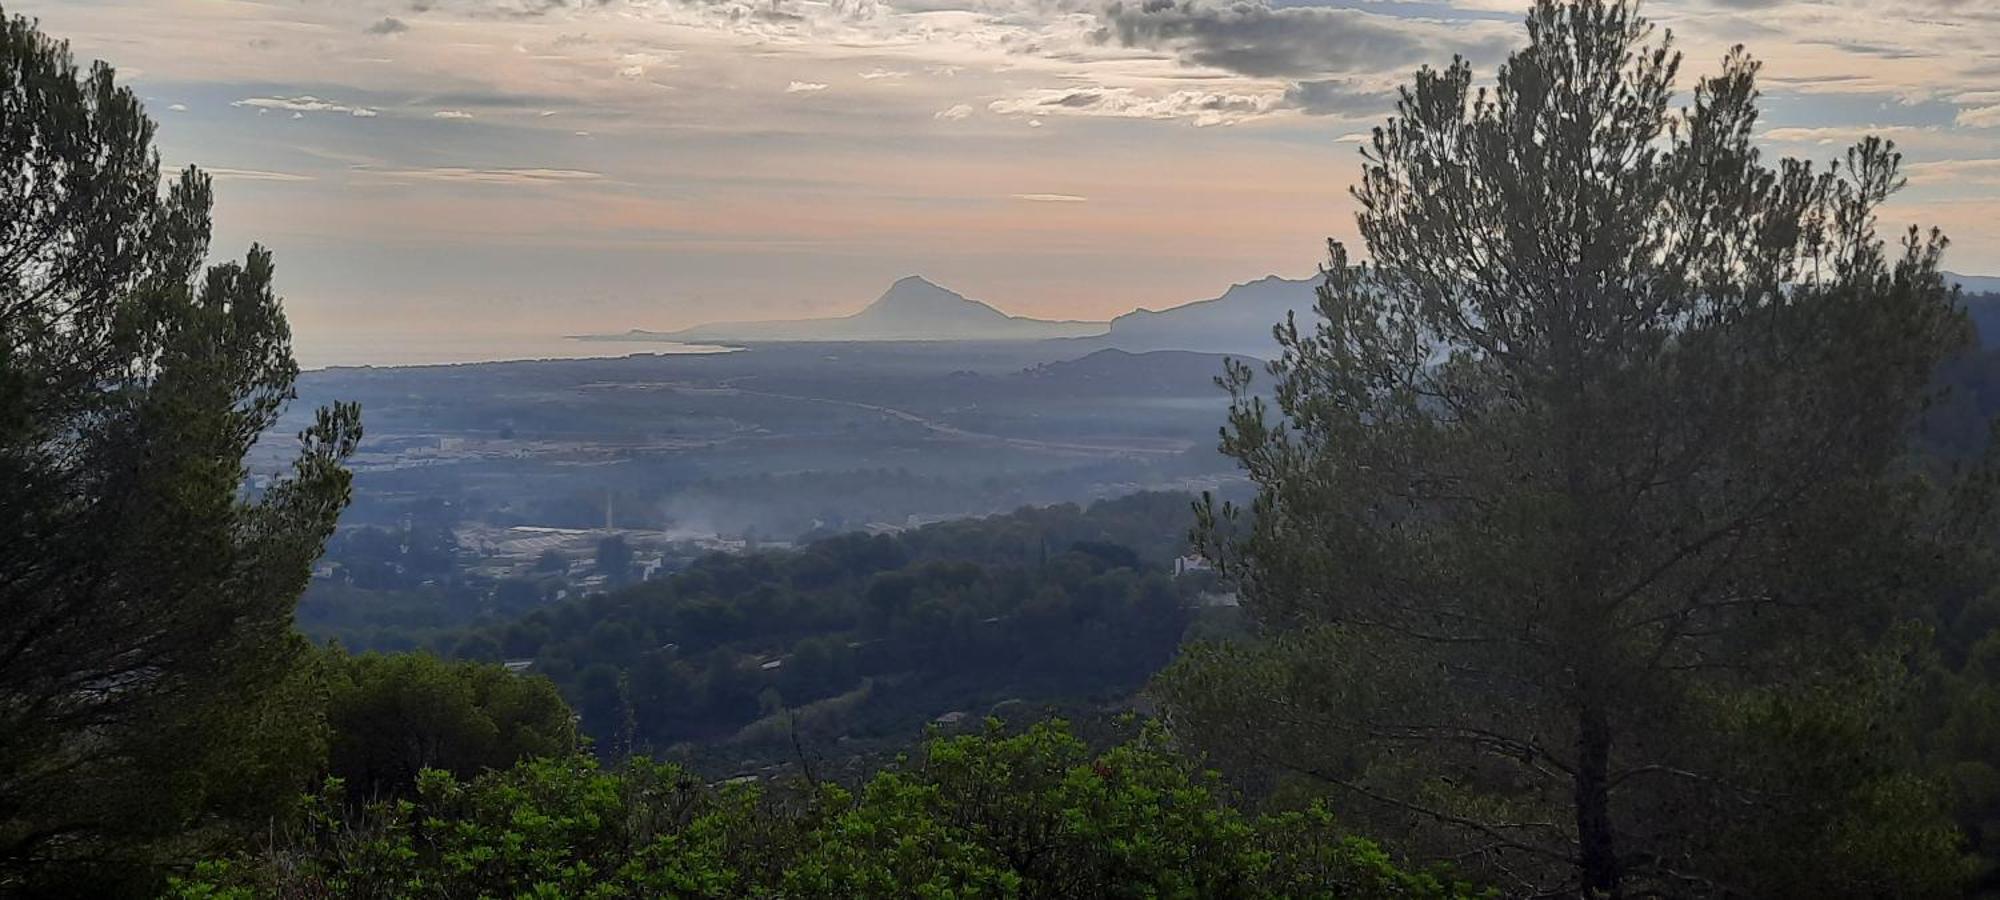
(787, 449)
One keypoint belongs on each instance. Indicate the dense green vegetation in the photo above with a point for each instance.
(1590, 526)
(1608, 542)
(1954, 696)
(1048, 603)
(404, 588)
(146, 598)
(388, 719)
(1034, 814)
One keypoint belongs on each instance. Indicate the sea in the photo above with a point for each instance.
(322, 351)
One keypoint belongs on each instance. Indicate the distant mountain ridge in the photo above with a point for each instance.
(1237, 322)
(1982, 304)
(1240, 320)
(913, 309)
(1974, 284)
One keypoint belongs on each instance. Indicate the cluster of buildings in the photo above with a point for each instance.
(507, 551)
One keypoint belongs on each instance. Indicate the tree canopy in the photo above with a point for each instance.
(1597, 551)
(1586, 502)
(146, 596)
(1038, 604)
(392, 717)
(1030, 814)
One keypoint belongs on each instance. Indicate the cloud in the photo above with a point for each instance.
(733, 131)
(1339, 97)
(804, 87)
(1867, 48)
(874, 74)
(460, 175)
(1252, 37)
(387, 26)
(858, 9)
(1049, 198)
(634, 66)
(1202, 107)
(1841, 134)
(1959, 172)
(454, 114)
(178, 107)
(222, 173)
(1979, 117)
(304, 103)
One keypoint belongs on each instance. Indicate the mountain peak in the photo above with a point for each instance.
(914, 308)
(914, 296)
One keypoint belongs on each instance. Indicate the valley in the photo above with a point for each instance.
(520, 470)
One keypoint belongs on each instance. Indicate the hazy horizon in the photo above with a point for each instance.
(853, 448)
(349, 349)
(540, 167)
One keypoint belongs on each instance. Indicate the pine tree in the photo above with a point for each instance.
(1585, 505)
(146, 594)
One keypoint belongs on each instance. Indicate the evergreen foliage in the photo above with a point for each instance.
(1600, 550)
(1032, 814)
(1586, 505)
(390, 718)
(1042, 603)
(146, 596)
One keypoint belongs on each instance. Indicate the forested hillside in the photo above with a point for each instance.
(1627, 526)
(862, 635)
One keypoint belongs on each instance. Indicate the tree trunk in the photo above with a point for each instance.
(1597, 859)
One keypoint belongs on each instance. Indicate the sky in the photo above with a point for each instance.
(560, 166)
